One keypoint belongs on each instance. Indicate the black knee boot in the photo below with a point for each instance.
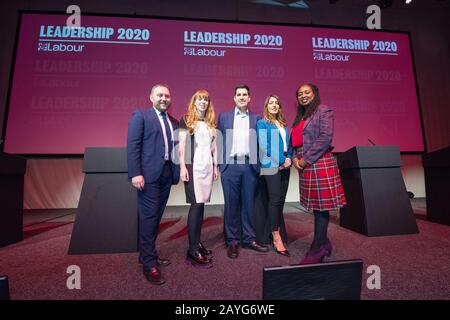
(321, 219)
(194, 223)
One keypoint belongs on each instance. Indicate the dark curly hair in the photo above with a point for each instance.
(303, 113)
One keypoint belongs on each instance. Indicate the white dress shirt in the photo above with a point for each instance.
(241, 134)
(166, 143)
(283, 137)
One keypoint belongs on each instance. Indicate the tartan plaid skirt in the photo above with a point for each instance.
(320, 184)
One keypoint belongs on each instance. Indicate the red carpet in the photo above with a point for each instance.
(38, 228)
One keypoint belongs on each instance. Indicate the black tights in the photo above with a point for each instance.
(194, 224)
(321, 219)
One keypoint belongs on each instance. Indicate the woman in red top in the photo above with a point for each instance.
(320, 185)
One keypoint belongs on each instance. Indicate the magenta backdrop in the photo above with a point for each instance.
(62, 102)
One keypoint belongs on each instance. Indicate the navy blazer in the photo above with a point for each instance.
(145, 146)
(318, 134)
(271, 152)
(226, 122)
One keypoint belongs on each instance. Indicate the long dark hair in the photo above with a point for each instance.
(303, 113)
(270, 117)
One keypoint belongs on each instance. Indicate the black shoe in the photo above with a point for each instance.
(233, 251)
(198, 260)
(256, 247)
(284, 252)
(154, 276)
(204, 251)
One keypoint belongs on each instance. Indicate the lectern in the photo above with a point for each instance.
(377, 200)
(12, 170)
(437, 179)
(107, 219)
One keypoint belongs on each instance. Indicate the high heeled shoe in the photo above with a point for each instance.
(276, 239)
(198, 260)
(312, 257)
(204, 251)
(284, 252)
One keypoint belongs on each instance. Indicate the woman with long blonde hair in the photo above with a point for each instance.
(198, 169)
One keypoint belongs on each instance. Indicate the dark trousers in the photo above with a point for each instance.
(194, 225)
(321, 220)
(269, 203)
(239, 184)
(151, 204)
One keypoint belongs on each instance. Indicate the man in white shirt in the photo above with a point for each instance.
(239, 173)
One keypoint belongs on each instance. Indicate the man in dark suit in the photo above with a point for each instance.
(239, 172)
(152, 173)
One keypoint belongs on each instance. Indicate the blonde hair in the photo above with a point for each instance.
(270, 117)
(192, 115)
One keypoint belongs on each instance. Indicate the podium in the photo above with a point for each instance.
(377, 200)
(437, 177)
(107, 216)
(12, 170)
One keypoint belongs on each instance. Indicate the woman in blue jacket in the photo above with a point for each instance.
(273, 141)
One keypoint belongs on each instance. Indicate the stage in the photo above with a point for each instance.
(413, 267)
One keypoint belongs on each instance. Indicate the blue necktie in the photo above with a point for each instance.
(168, 133)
